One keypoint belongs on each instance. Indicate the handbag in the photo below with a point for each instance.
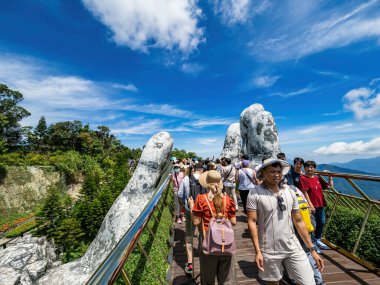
(219, 239)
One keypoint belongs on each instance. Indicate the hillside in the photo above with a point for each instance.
(372, 189)
(371, 165)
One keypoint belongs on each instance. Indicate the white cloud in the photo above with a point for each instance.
(192, 68)
(303, 140)
(331, 114)
(140, 127)
(261, 6)
(63, 92)
(332, 74)
(358, 147)
(207, 141)
(68, 97)
(159, 109)
(212, 122)
(307, 27)
(145, 24)
(264, 81)
(331, 131)
(363, 102)
(233, 11)
(128, 87)
(295, 93)
(374, 81)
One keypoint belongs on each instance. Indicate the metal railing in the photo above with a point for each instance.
(362, 203)
(113, 266)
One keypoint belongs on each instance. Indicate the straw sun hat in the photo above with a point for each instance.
(209, 177)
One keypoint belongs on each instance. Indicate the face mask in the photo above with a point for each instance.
(176, 170)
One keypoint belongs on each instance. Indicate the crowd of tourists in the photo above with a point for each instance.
(285, 215)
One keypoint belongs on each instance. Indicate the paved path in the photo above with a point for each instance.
(339, 269)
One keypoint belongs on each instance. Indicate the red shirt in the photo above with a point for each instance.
(313, 186)
(202, 210)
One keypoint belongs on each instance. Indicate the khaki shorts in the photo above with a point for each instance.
(297, 264)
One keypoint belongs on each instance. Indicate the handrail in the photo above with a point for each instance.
(364, 203)
(109, 270)
(349, 175)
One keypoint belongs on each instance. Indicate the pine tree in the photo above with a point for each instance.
(40, 134)
(68, 234)
(96, 216)
(52, 211)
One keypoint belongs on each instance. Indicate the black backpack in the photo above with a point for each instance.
(195, 188)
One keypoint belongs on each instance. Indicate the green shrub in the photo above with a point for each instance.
(34, 158)
(92, 167)
(344, 230)
(27, 226)
(13, 158)
(71, 164)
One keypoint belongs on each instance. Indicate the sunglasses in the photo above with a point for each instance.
(281, 204)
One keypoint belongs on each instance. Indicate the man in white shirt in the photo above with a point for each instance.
(274, 207)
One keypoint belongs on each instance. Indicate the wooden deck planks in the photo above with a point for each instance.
(338, 268)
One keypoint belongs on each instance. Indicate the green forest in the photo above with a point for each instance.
(94, 157)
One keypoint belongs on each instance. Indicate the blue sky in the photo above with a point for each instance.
(191, 67)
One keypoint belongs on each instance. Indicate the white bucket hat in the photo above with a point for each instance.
(285, 166)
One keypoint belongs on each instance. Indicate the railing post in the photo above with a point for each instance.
(362, 229)
(124, 275)
(357, 188)
(337, 197)
(154, 236)
(147, 258)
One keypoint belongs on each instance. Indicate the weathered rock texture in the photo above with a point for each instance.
(25, 187)
(26, 260)
(121, 216)
(259, 133)
(232, 142)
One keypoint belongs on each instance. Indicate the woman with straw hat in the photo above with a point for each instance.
(213, 267)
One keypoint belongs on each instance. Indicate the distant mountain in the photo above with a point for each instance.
(371, 165)
(372, 189)
(334, 168)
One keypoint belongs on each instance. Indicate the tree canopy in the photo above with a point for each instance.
(11, 113)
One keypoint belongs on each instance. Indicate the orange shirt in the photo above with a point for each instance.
(202, 210)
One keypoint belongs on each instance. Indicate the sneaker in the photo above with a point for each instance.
(189, 268)
(179, 221)
(286, 280)
(321, 245)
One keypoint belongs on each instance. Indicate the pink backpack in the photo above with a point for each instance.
(219, 239)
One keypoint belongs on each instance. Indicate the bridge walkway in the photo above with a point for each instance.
(338, 268)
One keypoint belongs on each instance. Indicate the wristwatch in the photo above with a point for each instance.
(313, 248)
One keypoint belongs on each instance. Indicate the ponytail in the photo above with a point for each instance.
(215, 194)
(218, 203)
